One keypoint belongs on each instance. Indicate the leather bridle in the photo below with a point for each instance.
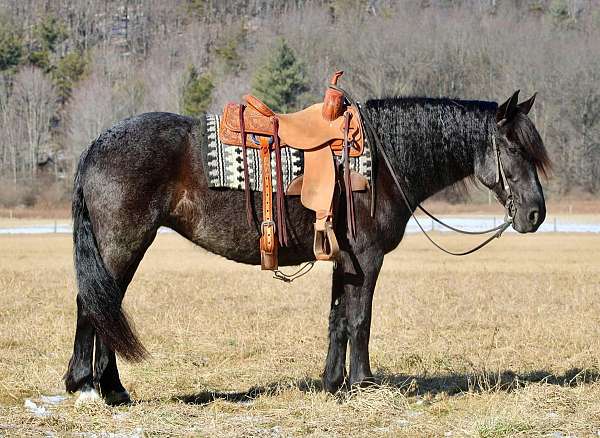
(376, 145)
(501, 179)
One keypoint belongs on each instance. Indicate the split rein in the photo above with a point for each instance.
(374, 140)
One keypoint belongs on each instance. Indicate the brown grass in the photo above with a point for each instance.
(502, 343)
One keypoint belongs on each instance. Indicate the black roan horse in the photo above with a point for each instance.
(146, 172)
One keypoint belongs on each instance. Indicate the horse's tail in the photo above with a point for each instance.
(99, 295)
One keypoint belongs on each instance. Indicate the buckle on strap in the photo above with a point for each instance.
(264, 224)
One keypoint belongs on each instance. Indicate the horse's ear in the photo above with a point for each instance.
(525, 107)
(508, 109)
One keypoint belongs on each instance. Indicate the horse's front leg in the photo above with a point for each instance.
(335, 366)
(354, 278)
(359, 289)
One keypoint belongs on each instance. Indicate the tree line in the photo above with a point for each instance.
(71, 68)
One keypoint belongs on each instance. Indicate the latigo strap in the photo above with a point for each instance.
(268, 238)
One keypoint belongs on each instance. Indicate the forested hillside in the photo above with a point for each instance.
(71, 68)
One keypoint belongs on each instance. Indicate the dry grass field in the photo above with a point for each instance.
(502, 343)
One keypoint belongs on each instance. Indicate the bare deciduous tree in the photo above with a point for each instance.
(35, 102)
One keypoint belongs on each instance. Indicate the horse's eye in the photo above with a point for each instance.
(513, 150)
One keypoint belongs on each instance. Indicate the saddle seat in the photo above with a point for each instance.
(321, 131)
(305, 130)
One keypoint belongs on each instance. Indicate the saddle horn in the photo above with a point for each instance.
(333, 103)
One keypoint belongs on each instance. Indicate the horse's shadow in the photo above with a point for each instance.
(205, 397)
(450, 384)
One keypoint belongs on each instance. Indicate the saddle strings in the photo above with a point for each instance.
(376, 143)
(246, 172)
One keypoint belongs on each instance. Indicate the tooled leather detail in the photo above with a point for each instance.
(256, 123)
(258, 105)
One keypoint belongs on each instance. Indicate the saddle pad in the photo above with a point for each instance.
(224, 164)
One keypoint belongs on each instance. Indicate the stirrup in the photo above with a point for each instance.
(325, 245)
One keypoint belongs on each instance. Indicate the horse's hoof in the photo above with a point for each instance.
(89, 396)
(363, 382)
(335, 385)
(115, 398)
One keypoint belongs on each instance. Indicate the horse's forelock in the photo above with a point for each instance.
(523, 131)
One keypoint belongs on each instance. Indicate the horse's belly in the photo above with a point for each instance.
(219, 224)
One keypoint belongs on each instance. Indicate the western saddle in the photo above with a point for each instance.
(321, 131)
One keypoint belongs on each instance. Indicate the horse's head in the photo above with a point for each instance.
(511, 169)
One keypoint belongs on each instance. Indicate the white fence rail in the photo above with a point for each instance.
(474, 223)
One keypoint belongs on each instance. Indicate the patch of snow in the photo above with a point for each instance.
(52, 399)
(38, 411)
(401, 422)
(138, 432)
(275, 431)
(558, 434)
(54, 229)
(414, 413)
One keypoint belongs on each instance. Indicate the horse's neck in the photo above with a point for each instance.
(426, 164)
(432, 174)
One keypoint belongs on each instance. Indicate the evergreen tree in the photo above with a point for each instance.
(229, 54)
(68, 70)
(11, 46)
(48, 34)
(197, 92)
(281, 80)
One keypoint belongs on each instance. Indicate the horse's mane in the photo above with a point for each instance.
(433, 136)
(442, 124)
(398, 102)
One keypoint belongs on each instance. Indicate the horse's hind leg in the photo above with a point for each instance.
(122, 262)
(107, 375)
(121, 254)
(79, 375)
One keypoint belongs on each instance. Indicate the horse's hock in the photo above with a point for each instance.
(321, 132)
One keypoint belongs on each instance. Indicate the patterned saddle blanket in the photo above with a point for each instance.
(224, 164)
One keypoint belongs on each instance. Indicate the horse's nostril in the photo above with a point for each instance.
(534, 216)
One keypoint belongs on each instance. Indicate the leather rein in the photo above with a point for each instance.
(509, 206)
